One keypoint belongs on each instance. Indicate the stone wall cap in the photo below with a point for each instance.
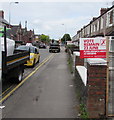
(83, 73)
(96, 61)
(76, 53)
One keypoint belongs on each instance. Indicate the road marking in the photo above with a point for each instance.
(6, 91)
(1, 107)
(25, 75)
(9, 94)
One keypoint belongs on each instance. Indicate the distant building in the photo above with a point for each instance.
(3, 22)
(16, 32)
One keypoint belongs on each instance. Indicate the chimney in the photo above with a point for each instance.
(25, 24)
(2, 14)
(103, 10)
(112, 3)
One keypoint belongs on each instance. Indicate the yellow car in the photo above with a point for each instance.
(34, 54)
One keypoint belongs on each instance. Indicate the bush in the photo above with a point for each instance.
(72, 48)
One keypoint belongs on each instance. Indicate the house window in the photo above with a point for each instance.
(111, 17)
(98, 25)
(95, 27)
(111, 45)
(101, 22)
(107, 20)
(92, 28)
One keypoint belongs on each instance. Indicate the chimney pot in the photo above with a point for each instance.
(2, 14)
(103, 10)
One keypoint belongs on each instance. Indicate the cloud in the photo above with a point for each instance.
(1, 6)
(37, 21)
(48, 17)
(47, 27)
(56, 29)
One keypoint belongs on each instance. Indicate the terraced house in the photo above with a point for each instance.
(102, 25)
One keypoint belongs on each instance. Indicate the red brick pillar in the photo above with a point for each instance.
(78, 61)
(96, 85)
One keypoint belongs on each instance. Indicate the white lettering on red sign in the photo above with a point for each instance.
(93, 48)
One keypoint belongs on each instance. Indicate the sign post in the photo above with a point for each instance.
(93, 47)
(107, 82)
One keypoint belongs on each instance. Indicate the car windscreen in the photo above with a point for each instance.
(32, 50)
(54, 45)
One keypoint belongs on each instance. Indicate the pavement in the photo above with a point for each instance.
(49, 93)
(111, 85)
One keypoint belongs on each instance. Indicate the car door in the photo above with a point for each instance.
(36, 55)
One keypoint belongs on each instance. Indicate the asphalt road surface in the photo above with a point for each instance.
(48, 93)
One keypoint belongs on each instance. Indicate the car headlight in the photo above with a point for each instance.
(31, 56)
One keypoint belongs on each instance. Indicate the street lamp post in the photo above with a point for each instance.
(65, 33)
(10, 11)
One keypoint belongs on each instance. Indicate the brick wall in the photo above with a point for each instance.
(79, 61)
(81, 89)
(96, 90)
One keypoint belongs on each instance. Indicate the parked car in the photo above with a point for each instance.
(34, 54)
(54, 47)
(42, 45)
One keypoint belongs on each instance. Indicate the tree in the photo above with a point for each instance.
(65, 38)
(44, 38)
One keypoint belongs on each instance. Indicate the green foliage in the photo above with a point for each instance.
(71, 46)
(66, 37)
(70, 65)
(83, 111)
(70, 62)
(44, 38)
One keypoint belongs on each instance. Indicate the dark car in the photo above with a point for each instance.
(42, 45)
(54, 47)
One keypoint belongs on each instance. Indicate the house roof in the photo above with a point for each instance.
(13, 30)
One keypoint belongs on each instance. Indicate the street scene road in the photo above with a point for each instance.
(7, 85)
(49, 93)
(57, 59)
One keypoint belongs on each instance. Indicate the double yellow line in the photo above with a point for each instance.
(9, 94)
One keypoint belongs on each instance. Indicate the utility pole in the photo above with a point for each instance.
(65, 33)
(10, 11)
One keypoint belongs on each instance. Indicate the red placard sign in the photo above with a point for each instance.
(93, 47)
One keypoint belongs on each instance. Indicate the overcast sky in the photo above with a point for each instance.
(53, 18)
